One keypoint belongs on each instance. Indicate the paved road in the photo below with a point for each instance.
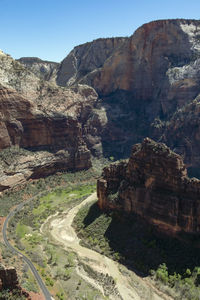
(29, 263)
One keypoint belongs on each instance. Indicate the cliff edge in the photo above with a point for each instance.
(154, 185)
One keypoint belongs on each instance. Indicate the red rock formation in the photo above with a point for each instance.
(60, 135)
(141, 80)
(182, 134)
(154, 185)
(147, 76)
(85, 59)
(9, 281)
(8, 278)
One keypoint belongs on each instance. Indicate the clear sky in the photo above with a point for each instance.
(49, 29)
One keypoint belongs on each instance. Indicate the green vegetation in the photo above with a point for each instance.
(11, 295)
(91, 226)
(22, 230)
(36, 212)
(56, 265)
(185, 286)
(10, 198)
(28, 282)
(171, 262)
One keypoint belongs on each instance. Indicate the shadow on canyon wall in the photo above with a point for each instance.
(142, 247)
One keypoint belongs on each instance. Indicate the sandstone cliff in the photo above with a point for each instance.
(119, 90)
(182, 134)
(61, 126)
(57, 135)
(154, 185)
(86, 59)
(142, 81)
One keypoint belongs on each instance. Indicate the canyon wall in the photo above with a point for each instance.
(142, 82)
(86, 59)
(43, 69)
(153, 184)
(105, 96)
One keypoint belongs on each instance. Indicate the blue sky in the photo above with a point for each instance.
(49, 29)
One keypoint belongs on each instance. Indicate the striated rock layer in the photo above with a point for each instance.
(43, 69)
(142, 81)
(153, 184)
(54, 137)
(105, 96)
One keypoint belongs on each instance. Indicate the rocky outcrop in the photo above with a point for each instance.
(43, 69)
(110, 93)
(142, 80)
(9, 283)
(159, 61)
(8, 278)
(182, 134)
(16, 76)
(56, 133)
(154, 185)
(86, 59)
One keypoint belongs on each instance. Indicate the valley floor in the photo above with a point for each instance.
(126, 287)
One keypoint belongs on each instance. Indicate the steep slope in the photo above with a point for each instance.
(60, 125)
(57, 136)
(142, 81)
(15, 75)
(86, 59)
(43, 69)
(182, 134)
(154, 185)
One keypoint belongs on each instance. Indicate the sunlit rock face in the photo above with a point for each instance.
(45, 70)
(56, 139)
(59, 125)
(105, 96)
(142, 80)
(154, 185)
(86, 59)
(151, 63)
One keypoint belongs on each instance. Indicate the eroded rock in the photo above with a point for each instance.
(154, 185)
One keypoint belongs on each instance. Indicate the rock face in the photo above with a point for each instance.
(8, 278)
(106, 95)
(57, 136)
(86, 59)
(142, 82)
(43, 69)
(61, 126)
(154, 185)
(183, 135)
(9, 282)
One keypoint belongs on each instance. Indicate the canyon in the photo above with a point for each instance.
(105, 96)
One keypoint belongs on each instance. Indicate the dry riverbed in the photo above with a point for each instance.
(104, 273)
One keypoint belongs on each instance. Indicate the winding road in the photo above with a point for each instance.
(61, 230)
(19, 207)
